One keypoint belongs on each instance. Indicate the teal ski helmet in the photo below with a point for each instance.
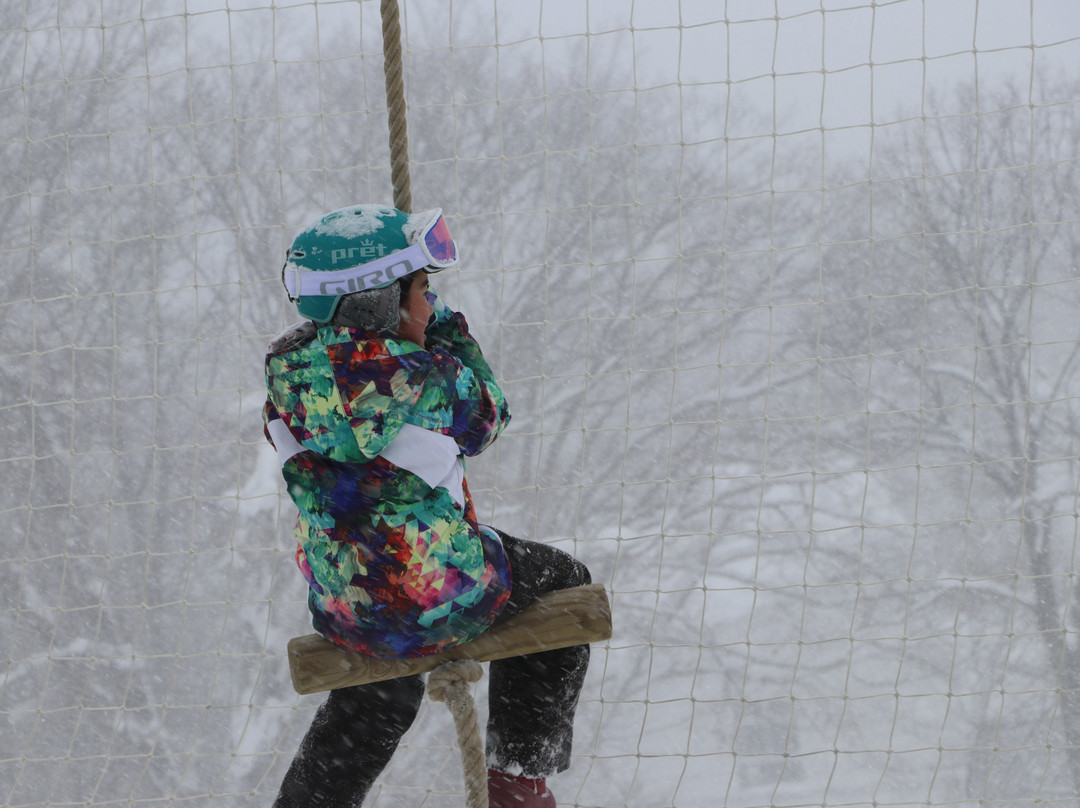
(359, 248)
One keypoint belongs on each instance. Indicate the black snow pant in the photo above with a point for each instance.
(531, 704)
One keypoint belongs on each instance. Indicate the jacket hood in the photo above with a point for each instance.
(341, 392)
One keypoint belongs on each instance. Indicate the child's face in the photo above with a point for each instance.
(415, 311)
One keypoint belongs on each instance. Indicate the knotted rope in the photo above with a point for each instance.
(450, 683)
(395, 106)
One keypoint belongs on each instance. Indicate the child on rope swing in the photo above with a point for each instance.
(373, 401)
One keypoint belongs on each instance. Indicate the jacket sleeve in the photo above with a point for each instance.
(473, 408)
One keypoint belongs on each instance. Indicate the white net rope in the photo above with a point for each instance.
(784, 296)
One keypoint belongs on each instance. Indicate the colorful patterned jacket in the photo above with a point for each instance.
(369, 430)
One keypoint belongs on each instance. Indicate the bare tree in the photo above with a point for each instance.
(983, 340)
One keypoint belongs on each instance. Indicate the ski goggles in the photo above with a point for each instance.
(432, 249)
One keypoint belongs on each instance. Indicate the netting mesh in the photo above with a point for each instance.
(784, 298)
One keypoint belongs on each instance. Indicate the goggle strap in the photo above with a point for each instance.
(300, 282)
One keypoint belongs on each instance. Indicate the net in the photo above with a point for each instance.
(783, 296)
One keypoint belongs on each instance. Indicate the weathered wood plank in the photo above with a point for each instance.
(555, 620)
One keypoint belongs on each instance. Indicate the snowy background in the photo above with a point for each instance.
(784, 298)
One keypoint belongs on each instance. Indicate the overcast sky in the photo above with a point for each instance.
(815, 64)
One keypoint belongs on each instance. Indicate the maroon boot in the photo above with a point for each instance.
(508, 791)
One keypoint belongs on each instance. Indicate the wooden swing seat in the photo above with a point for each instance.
(555, 620)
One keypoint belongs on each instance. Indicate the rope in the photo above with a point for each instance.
(395, 106)
(450, 683)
